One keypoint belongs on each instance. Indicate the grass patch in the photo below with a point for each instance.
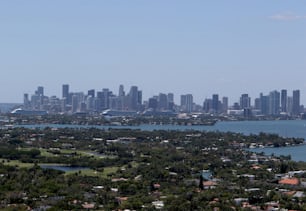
(94, 173)
(16, 163)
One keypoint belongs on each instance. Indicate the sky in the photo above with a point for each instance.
(200, 47)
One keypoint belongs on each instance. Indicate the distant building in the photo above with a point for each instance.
(133, 98)
(224, 105)
(91, 93)
(65, 91)
(207, 105)
(274, 103)
(162, 101)
(245, 101)
(187, 103)
(284, 103)
(264, 104)
(296, 103)
(215, 103)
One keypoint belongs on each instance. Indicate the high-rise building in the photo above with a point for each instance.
(296, 102)
(274, 103)
(91, 93)
(187, 103)
(40, 91)
(284, 98)
(65, 91)
(75, 103)
(257, 104)
(121, 91)
(224, 104)
(139, 97)
(245, 101)
(26, 102)
(215, 103)
(170, 98)
(264, 104)
(162, 101)
(153, 103)
(207, 105)
(133, 98)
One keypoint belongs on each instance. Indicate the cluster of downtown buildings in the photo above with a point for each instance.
(105, 101)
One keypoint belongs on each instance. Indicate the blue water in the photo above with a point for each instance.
(297, 153)
(285, 128)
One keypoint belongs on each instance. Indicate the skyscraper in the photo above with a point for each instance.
(26, 102)
(40, 91)
(264, 104)
(162, 101)
(245, 101)
(274, 103)
(91, 93)
(296, 102)
(65, 91)
(284, 100)
(121, 91)
(224, 104)
(187, 103)
(215, 103)
(133, 98)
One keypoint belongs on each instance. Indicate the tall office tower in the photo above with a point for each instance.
(75, 103)
(224, 105)
(100, 101)
(63, 104)
(257, 104)
(207, 105)
(26, 102)
(215, 103)
(170, 99)
(274, 103)
(139, 97)
(187, 103)
(65, 91)
(91, 93)
(40, 91)
(183, 101)
(105, 98)
(121, 91)
(296, 102)
(90, 103)
(290, 104)
(162, 101)
(133, 98)
(153, 103)
(121, 98)
(264, 104)
(284, 100)
(245, 101)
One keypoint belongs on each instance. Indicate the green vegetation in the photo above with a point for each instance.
(141, 170)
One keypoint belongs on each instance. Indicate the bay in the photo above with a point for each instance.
(285, 128)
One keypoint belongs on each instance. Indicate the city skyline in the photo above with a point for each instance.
(274, 103)
(199, 47)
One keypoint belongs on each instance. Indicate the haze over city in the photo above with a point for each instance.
(198, 47)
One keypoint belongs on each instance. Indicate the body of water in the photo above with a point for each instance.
(285, 128)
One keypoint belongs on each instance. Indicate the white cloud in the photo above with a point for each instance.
(288, 16)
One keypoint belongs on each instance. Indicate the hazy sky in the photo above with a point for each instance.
(199, 46)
